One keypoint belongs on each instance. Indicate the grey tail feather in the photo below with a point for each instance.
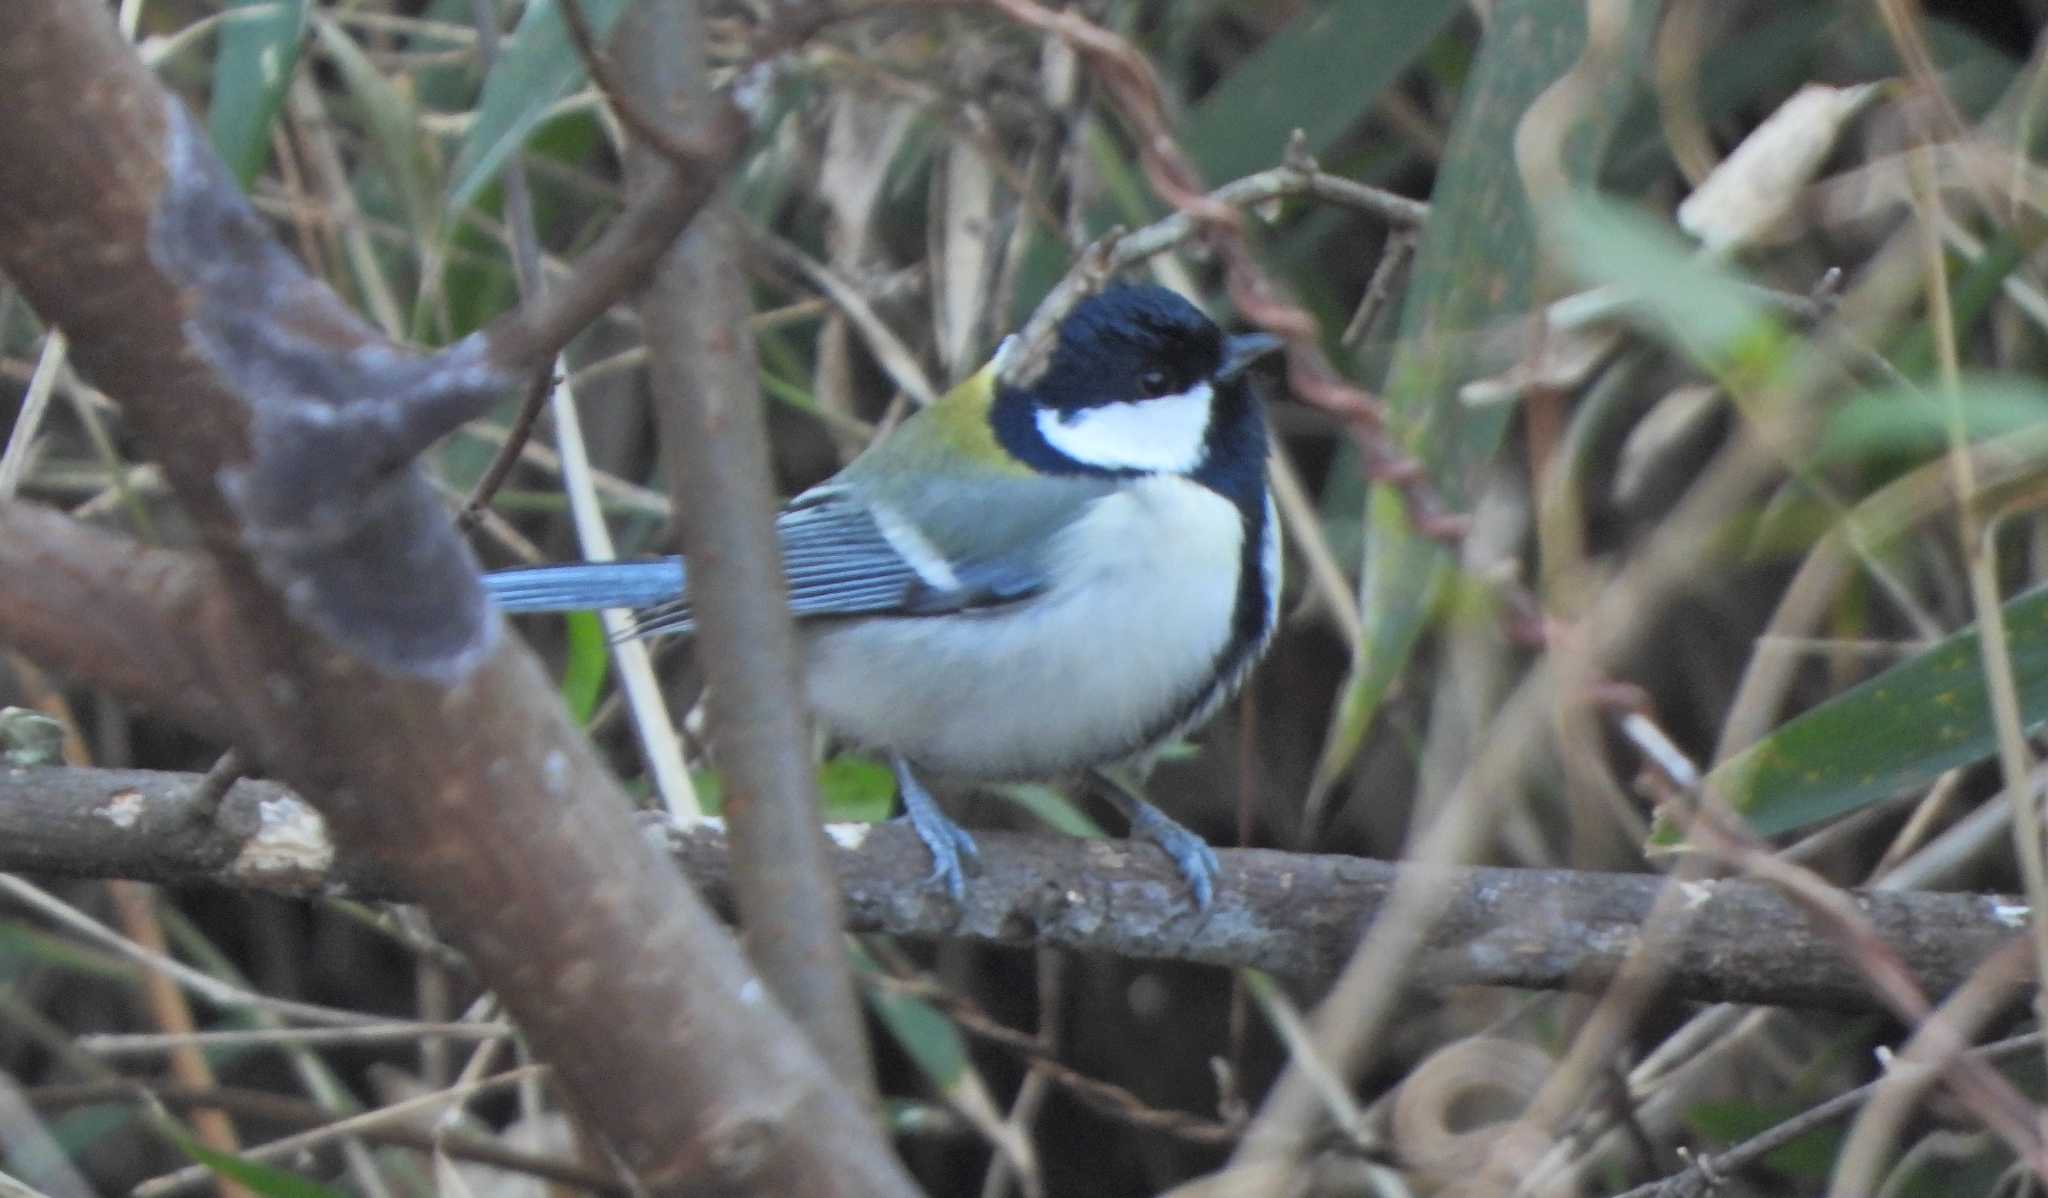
(586, 586)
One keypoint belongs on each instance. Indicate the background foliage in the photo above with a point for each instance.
(1744, 467)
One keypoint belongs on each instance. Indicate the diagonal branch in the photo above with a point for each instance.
(92, 604)
(360, 660)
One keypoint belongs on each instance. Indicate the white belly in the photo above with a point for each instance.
(1080, 674)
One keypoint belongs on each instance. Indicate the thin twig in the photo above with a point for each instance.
(1694, 1178)
(206, 986)
(1978, 531)
(658, 133)
(530, 404)
(121, 1044)
(193, 1176)
(526, 261)
(29, 420)
(895, 358)
(1347, 1118)
(1033, 1091)
(618, 493)
(1350, 1019)
(213, 786)
(30, 1144)
(649, 707)
(1395, 256)
(1983, 1090)
(1939, 1050)
(651, 718)
(135, 906)
(276, 1109)
(1292, 178)
(1107, 1098)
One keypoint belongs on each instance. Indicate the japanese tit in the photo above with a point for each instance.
(1027, 578)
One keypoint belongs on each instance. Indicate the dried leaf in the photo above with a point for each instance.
(1748, 197)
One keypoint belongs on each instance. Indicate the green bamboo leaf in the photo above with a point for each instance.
(589, 659)
(1809, 1157)
(1896, 733)
(75, 1133)
(538, 66)
(1052, 807)
(24, 950)
(1475, 268)
(259, 49)
(1901, 730)
(1971, 292)
(710, 786)
(393, 117)
(1321, 74)
(259, 1178)
(856, 789)
(932, 1042)
(1911, 421)
(1655, 278)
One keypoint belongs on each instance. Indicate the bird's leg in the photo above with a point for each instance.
(949, 842)
(1189, 853)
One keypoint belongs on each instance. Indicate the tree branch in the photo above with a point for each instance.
(695, 311)
(358, 658)
(1288, 913)
(92, 604)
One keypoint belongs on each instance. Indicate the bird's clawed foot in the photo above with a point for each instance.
(1190, 854)
(952, 848)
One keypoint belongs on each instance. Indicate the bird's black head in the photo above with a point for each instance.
(1138, 382)
(1128, 344)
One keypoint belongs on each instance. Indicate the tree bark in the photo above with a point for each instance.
(1293, 914)
(344, 637)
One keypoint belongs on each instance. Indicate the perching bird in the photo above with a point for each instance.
(1025, 579)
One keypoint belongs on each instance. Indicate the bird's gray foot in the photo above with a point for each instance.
(950, 845)
(1190, 854)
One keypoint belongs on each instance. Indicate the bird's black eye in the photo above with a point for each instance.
(1155, 383)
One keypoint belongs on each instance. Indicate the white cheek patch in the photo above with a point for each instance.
(1165, 435)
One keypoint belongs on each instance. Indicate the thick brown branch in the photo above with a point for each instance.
(528, 338)
(363, 662)
(1289, 913)
(148, 624)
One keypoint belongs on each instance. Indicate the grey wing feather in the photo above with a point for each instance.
(837, 561)
(989, 538)
(994, 535)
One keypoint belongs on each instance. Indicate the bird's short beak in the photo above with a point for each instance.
(1243, 350)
